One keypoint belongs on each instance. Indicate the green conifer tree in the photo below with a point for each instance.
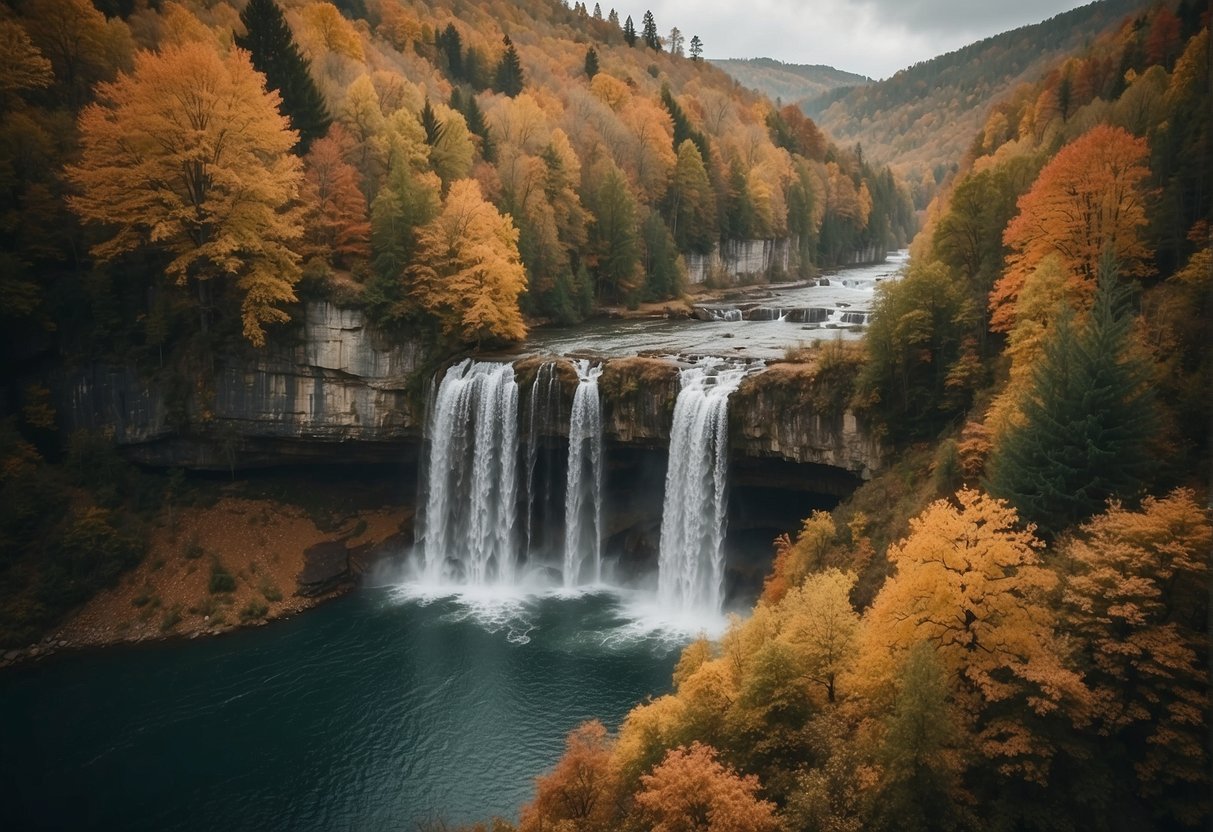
(509, 79)
(451, 45)
(651, 38)
(274, 53)
(629, 32)
(696, 48)
(591, 63)
(1088, 420)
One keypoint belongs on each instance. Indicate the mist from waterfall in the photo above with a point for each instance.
(466, 533)
(691, 563)
(583, 486)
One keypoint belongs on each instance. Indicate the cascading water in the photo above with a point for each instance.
(691, 563)
(467, 532)
(583, 491)
(544, 414)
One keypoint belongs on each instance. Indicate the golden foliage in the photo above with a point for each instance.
(970, 583)
(467, 272)
(692, 792)
(188, 153)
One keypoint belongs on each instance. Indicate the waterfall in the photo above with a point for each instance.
(583, 488)
(690, 568)
(467, 531)
(544, 414)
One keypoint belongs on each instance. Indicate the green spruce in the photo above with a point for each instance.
(274, 53)
(1087, 421)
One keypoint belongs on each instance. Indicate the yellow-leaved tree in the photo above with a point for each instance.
(468, 273)
(189, 154)
(970, 584)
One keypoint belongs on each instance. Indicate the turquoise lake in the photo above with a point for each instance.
(375, 711)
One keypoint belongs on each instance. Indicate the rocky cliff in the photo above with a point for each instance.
(336, 390)
(332, 386)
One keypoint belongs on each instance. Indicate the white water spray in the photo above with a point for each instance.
(467, 532)
(583, 491)
(690, 571)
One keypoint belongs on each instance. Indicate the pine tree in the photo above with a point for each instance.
(613, 18)
(1087, 421)
(597, 12)
(591, 63)
(451, 44)
(651, 40)
(509, 71)
(696, 48)
(629, 32)
(275, 54)
(431, 125)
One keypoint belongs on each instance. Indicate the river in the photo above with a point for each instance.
(848, 295)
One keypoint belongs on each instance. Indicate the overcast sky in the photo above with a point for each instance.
(870, 37)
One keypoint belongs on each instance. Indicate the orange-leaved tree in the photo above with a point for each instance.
(338, 226)
(1088, 201)
(582, 789)
(1136, 603)
(189, 154)
(970, 583)
(468, 273)
(690, 791)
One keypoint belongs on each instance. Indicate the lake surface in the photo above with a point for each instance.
(850, 291)
(374, 711)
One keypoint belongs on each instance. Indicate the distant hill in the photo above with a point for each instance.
(925, 116)
(790, 83)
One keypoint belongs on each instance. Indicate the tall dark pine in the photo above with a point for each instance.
(431, 125)
(591, 63)
(696, 48)
(451, 44)
(629, 31)
(509, 71)
(651, 39)
(274, 54)
(1087, 421)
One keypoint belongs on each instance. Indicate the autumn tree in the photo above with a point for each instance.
(676, 41)
(338, 227)
(690, 791)
(82, 46)
(22, 66)
(468, 274)
(1087, 421)
(275, 54)
(820, 627)
(1135, 602)
(188, 154)
(581, 789)
(1088, 201)
(969, 582)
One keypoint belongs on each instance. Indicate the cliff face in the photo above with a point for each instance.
(341, 392)
(333, 380)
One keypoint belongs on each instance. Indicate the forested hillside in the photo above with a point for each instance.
(582, 154)
(922, 119)
(1030, 651)
(789, 83)
(177, 178)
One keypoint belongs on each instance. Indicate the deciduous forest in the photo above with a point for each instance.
(1006, 629)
